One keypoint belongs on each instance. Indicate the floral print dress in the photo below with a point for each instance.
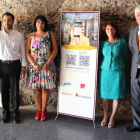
(40, 50)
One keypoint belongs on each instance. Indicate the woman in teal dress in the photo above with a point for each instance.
(112, 59)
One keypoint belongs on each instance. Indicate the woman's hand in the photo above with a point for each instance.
(45, 67)
(82, 40)
(37, 67)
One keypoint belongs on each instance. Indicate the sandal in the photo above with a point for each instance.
(44, 115)
(110, 125)
(103, 123)
(38, 115)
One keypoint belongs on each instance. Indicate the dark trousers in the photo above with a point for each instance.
(135, 99)
(9, 79)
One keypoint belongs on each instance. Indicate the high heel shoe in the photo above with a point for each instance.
(111, 125)
(38, 115)
(103, 123)
(44, 115)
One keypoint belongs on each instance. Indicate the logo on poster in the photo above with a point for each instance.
(76, 94)
(81, 96)
(82, 86)
(67, 94)
(67, 84)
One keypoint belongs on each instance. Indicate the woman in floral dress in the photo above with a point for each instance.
(41, 70)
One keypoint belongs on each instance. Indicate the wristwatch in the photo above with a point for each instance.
(48, 62)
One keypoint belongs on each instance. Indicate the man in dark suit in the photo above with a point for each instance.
(134, 45)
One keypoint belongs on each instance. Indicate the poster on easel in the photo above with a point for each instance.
(79, 63)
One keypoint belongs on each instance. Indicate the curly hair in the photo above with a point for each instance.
(112, 24)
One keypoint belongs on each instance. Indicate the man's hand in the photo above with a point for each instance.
(22, 74)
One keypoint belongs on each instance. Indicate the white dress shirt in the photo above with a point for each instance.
(12, 46)
(139, 32)
(138, 44)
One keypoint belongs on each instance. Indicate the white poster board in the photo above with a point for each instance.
(79, 61)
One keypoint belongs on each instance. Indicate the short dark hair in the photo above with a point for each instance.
(111, 23)
(43, 19)
(8, 14)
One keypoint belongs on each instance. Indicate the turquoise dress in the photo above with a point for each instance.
(112, 80)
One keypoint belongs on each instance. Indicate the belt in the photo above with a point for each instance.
(9, 61)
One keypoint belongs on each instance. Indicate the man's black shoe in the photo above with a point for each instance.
(16, 115)
(5, 117)
(132, 128)
(16, 119)
(4, 120)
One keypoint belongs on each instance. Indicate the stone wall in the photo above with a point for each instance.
(120, 11)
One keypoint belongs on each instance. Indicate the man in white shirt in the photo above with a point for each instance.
(12, 66)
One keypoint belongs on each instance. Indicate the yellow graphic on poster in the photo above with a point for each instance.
(78, 47)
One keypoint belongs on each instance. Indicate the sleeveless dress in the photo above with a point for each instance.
(40, 50)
